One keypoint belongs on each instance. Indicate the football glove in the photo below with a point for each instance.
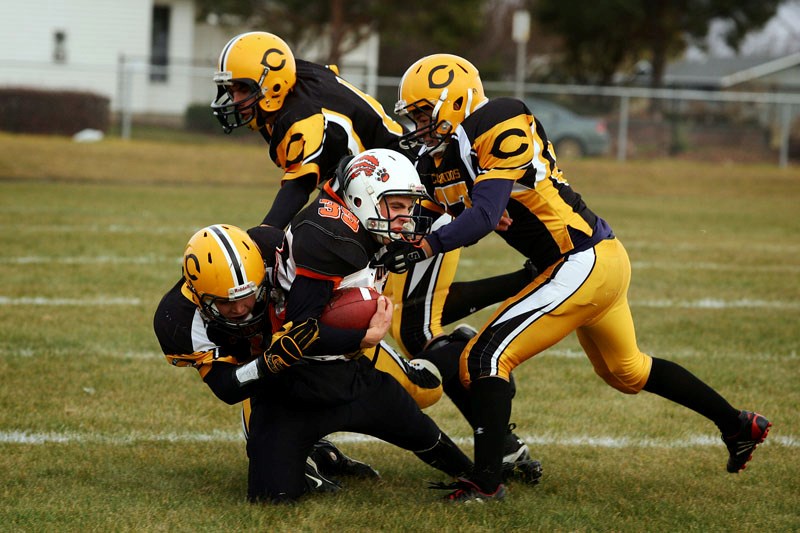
(400, 255)
(288, 344)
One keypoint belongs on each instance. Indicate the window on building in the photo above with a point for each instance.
(60, 46)
(159, 44)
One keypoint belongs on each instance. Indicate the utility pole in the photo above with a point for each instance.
(520, 33)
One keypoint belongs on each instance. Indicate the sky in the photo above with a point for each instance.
(780, 36)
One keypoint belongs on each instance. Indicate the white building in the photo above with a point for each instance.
(146, 56)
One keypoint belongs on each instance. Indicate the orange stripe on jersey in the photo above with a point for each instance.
(316, 275)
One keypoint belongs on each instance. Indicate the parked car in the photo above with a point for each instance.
(572, 135)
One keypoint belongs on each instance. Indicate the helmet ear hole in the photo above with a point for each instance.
(458, 103)
(357, 202)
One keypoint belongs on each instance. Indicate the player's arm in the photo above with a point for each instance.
(291, 198)
(217, 370)
(297, 153)
(232, 383)
(489, 201)
(307, 298)
(185, 343)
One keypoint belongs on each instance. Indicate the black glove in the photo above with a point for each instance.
(400, 255)
(288, 344)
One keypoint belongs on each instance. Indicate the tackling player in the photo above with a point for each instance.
(214, 318)
(490, 165)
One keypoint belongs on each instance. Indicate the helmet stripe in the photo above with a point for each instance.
(232, 255)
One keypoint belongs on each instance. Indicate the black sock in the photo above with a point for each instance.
(491, 407)
(466, 297)
(673, 382)
(446, 357)
(460, 398)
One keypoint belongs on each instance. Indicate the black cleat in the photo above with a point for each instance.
(463, 332)
(332, 462)
(316, 482)
(754, 429)
(517, 462)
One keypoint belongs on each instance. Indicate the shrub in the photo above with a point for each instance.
(199, 119)
(28, 110)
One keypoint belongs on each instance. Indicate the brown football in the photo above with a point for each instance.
(350, 308)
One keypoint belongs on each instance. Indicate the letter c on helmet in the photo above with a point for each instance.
(196, 266)
(265, 59)
(450, 76)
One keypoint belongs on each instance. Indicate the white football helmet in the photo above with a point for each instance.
(364, 181)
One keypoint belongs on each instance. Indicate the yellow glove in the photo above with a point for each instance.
(288, 344)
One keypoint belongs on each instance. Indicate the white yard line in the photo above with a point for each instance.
(79, 302)
(593, 441)
(715, 303)
(88, 260)
(665, 265)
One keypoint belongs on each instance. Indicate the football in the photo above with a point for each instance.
(350, 308)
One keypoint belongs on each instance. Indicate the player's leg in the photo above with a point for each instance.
(324, 463)
(420, 379)
(467, 297)
(426, 298)
(610, 343)
(539, 316)
(387, 412)
(277, 448)
(419, 296)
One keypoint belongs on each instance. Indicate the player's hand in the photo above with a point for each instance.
(504, 223)
(401, 255)
(288, 344)
(379, 324)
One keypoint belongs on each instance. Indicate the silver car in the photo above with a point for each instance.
(572, 135)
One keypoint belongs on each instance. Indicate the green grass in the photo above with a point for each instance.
(98, 433)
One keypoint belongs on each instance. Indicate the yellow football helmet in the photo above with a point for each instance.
(445, 88)
(222, 262)
(265, 64)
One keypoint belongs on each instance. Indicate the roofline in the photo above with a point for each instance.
(764, 69)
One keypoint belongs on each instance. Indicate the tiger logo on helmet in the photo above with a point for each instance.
(366, 181)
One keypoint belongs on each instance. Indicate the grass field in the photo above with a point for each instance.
(98, 433)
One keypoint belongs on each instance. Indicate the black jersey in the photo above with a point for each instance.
(325, 248)
(189, 339)
(323, 119)
(502, 140)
